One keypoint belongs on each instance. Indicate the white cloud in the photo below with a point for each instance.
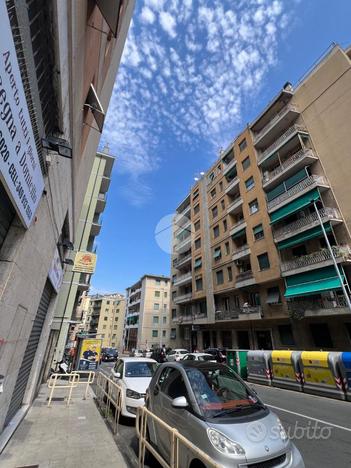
(147, 15)
(168, 23)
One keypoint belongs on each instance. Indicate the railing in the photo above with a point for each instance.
(108, 395)
(311, 180)
(183, 242)
(323, 255)
(243, 250)
(70, 381)
(238, 224)
(182, 278)
(335, 302)
(325, 214)
(236, 202)
(278, 142)
(190, 318)
(184, 227)
(179, 261)
(245, 275)
(184, 297)
(231, 184)
(302, 153)
(235, 313)
(273, 121)
(177, 442)
(229, 166)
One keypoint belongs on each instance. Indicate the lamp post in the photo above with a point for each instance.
(332, 256)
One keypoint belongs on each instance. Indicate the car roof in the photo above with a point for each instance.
(198, 364)
(200, 354)
(136, 359)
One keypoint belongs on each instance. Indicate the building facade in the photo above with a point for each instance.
(58, 66)
(147, 322)
(251, 264)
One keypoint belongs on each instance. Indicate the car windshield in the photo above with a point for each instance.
(206, 357)
(219, 392)
(110, 350)
(140, 369)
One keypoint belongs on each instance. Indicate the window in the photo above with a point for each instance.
(117, 310)
(154, 333)
(214, 212)
(225, 225)
(156, 306)
(197, 244)
(213, 193)
(173, 335)
(164, 320)
(230, 274)
(242, 144)
(174, 314)
(164, 333)
(197, 225)
(106, 310)
(217, 253)
(196, 209)
(158, 282)
(321, 335)
(249, 183)
(197, 263)
(105, 318)
(104, 327)
(253, 206)
(172, 384)
(165, 294)
(221, 186)
(223, 204)
(116, 319)
(286, 335)
(211, 177)
(115, 327)
(107, 302)
(164, 306)
(227, 248)
(196, 194)
(273, 296)
(263, 261)
(246, 163)
(157, 293)
(102, 335)
(258, 232)
(198, 283)
(155, 320)
(219, 277)
(216, 231)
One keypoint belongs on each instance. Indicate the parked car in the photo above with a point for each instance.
(147, 353)
(136, 353)
(109, 354)
(210, 405)
(219, 353)
(159, 354)
(198, 357)
(176, 354)
(133, 375)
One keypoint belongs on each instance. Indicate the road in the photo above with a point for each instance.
(320, 427)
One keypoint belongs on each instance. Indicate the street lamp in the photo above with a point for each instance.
(332, 255)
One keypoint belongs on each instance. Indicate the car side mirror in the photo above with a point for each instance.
(179, 402)
(117, 375)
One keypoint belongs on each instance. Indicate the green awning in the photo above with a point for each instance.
(312, 282)
(304, 236)
(239, 233)
(197, 263)
(295, 205)
(217, 253)
(257, 229)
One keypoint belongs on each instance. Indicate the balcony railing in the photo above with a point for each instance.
(180, 261)
(311, 180)
(334, 302)
(241, 252)
(311, 219)
(342, 253)
(183, 243)
(237, 313)
(182, 278)
(233, 183)
(302, 153)
(245, 275)
(291, 130)
(234, 204)
(275, 119)
(182, 298)
(190, 317)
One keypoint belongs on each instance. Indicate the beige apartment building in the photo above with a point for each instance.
(147, 322)
(105, 318)
(256, 239)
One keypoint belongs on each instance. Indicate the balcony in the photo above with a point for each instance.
(183, 298)
(180, 216)
(95, 228)
(135, 291)
(182, 262)
(245, 278)
(322, 306)
(100, 203)
(105, 183)
(229, 166)
(134, 301)
(302, 158)
(286, 136)
(184, 245)
(308, 222)
(232, 186)
(242, 313)
(238, 227)
(313, 260)
(242, 252)
(282, 119)
(296, 191)
(134, 325)
(191, 318)
(185, 227)
(235, 206)
(183, 279)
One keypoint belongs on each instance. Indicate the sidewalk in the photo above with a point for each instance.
(61, 436)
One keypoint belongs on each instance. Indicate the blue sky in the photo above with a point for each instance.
(193, 73)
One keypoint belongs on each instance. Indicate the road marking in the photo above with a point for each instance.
(310, 417)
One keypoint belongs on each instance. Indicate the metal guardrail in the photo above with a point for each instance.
(108, 393)
(72, 381)
(177, 441)
(273, 121)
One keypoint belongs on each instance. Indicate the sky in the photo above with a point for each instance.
(193, 74)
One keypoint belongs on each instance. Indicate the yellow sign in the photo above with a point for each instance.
(84, 262)
(89, 354)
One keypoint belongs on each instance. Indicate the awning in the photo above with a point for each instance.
(197, 263)
(304, 236)
(217, 253)
(239, 233)
(257, 229)
(295, 205)
(312, 282)
(273, 297)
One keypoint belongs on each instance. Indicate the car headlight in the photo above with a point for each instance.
(283, 435)
(132, 394)
(223, 444)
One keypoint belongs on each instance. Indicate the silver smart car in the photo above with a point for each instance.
(214, 408)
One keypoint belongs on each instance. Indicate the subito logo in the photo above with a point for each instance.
(256, 431)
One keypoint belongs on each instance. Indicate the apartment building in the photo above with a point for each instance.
(58, 68)
(251, 263)
(105, 318)
(147, 321)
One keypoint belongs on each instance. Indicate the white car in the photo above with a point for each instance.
(136, 353)
(176, 354)
(133, 375)
(199, 357)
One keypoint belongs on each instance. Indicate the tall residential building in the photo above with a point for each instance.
(89, 226)
(58, 68)
(105, 318)
(251, 267)
(147, 313)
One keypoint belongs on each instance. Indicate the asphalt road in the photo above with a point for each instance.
(319, 427)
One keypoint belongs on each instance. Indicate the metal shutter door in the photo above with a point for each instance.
(7, 214)
(32, 345)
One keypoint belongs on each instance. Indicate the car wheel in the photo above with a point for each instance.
(197, 464)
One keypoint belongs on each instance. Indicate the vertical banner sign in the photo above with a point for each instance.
(20, 170)
(89, 354)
